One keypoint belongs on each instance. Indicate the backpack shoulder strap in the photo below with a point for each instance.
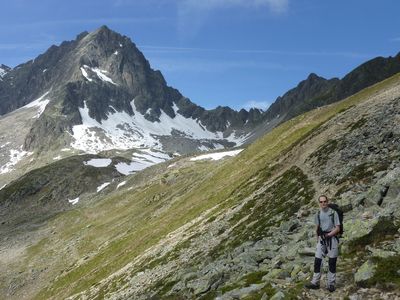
(333, 217)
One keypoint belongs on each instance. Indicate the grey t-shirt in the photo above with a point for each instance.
(326, 219)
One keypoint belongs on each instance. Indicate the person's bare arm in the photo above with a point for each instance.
(334, 231)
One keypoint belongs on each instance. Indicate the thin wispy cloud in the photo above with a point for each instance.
(41, 25)
(193, 14)
(213, 66)
(164, 49)
(188, 6)
(396, 39)
(14, 46)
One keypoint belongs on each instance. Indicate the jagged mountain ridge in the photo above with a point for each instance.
(104, 71)
(316, 91)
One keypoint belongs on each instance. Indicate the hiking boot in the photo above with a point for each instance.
(331, 288)
(312, 286)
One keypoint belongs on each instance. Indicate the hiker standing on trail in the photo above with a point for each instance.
(328, 227)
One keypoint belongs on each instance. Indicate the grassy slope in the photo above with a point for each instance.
(117, 229)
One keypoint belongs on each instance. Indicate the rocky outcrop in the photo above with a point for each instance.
(366, 272)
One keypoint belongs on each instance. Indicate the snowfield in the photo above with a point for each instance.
(39, 103)
(98, 162)
(217, 156)
(104, 185)
(122, 131)
(139, 161)
(121, 184)
(73, 201)
(142, 161)
(101, 74)
(15, 157)
(2, 73)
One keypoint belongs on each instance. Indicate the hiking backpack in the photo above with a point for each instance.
(339, 211)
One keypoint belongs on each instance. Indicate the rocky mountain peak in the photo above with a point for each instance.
(4, 67)
(313, 76)
(312, 80)
(82, 35)
(104, 38)
(302, 98)
(4, 70)
(102, 76)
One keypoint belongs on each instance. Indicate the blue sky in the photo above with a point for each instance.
(238, 53)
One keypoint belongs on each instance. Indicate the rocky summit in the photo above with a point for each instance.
(98, 202)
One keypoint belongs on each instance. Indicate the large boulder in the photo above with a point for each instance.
(361, 232)
(365, 273)
(278, 296)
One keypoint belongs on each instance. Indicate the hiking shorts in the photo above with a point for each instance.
(327, 248)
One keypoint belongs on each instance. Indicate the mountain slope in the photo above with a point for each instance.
(233, 228)
(316, 91)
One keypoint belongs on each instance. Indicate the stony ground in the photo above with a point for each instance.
(354, 157)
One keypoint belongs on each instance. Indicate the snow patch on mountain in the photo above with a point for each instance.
(15, 157)
(217, 156)
(98, 162)
(135, 166)
(103, 186)
(139, 161)
(73, 201)
(123, 131)
(191, 127)
(142, 161)
(121, 184)
(3, 73)
(39, 103)
(216, 146)
(4, 145)
(85, 74)
(101, 74)
(152, 156)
